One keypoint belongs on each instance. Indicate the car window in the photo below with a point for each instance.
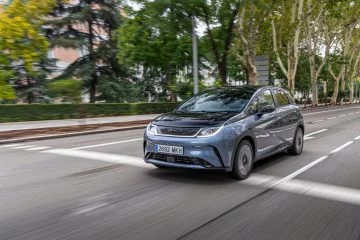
(266, 98)
(281, 98)
(263, 99)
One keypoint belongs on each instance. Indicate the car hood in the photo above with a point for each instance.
(193, 119)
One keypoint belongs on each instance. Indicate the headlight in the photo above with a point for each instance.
(151, 129)
(208, 132)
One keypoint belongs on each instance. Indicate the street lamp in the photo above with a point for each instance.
(195, 56)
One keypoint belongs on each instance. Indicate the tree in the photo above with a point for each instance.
(286, 27)
(156, 43)
(317, 37)
(22, 42)
(67, 89)
(6, 91)
(224, 14)
(252, 32)
(88, 25)
(345, 18)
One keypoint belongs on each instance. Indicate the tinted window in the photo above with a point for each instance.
(265, 98)
(219, 100)
(281, 98)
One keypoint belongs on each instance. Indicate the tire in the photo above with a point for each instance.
(298, 143)
(244, 160)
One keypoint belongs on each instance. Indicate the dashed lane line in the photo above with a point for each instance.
(331, 118)
(306, 188)
(37, 148)
(334, 110)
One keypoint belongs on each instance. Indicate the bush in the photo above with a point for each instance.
(67, 89)
(34, 112)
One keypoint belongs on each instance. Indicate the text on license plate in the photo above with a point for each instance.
(169, 149)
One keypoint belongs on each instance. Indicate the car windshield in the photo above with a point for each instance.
(219, 100)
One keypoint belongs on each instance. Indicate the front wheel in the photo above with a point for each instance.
(298, 143)
(244, 160)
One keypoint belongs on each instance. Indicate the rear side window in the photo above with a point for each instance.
(281, 98)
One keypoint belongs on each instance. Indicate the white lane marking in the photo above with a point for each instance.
(301, 170)
(104, 157)
(37, 148)
(107, 144)
(23, 147)
(342, 147)
(317, 121)
(10, 145)
(89, 209)
(324, 191)
(331, 118)
(313, 133)
(5, 172)
(334, 110)
(307, 188)
(342, 116)
(357, 138)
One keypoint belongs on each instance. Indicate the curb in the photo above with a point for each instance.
(74, 134)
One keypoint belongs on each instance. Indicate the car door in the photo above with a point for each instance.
(287, 118)
(263, 124)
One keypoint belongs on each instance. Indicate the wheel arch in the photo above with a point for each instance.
(249, 137)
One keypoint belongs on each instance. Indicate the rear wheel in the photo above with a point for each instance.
(298, 143)
(244, 160)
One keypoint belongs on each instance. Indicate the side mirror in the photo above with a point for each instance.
(266, 109)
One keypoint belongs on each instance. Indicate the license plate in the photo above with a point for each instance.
(169, 149)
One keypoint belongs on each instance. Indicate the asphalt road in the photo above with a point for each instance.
(97, 187)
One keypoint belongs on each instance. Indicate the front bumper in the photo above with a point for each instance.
(199, 153)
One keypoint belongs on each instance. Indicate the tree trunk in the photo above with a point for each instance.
(223, 72)
(315, 98)
(351, 88)
(291, 81)
(94, 77)
(336, 91)
(92, 89)
(251, 69)
(252, 77)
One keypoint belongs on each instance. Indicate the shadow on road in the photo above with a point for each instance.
(211, 177)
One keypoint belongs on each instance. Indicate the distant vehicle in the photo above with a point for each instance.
(226, 128)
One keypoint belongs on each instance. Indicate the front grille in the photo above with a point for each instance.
(178, 159)
(178, 131)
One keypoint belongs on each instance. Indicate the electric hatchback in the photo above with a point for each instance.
(226, 128)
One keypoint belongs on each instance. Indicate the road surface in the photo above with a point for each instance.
(97, 187)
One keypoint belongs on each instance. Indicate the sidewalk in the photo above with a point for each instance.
(15, 126)
(34, 130)
(128, 120)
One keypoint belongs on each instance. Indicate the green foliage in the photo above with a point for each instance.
(185, 89)
(33, 112)
(23, 45)
(89, 25)
(122, 92)
(20, 31)
(303, 78)
(68, 89)
(6, 91)
(158, 40)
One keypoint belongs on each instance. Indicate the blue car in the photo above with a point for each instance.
(226, 128)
